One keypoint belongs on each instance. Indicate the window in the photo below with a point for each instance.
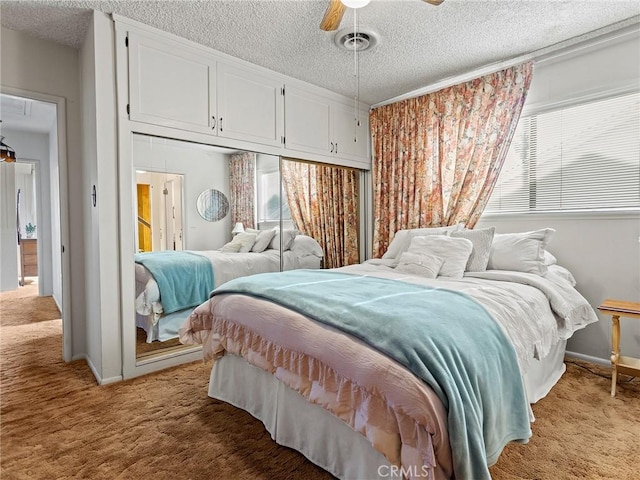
(583, 157)
(269, 198)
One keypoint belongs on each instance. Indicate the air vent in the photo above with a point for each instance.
(361, 40)
(16, 106)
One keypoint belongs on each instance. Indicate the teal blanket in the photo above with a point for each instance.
(442, 336)
(184, 279)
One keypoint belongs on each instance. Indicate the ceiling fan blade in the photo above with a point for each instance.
(434, 2)
(332, 16)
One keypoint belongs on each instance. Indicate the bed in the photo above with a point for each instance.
(162, 324)
(300, 345)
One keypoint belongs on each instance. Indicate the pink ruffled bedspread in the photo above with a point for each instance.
(397, 412)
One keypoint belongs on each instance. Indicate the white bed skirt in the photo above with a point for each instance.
(324, 439)
(295, 423)
(544, 374)
(164, 329)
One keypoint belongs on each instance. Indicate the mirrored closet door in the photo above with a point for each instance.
(199, 211)
(205, 215)
(323, 202)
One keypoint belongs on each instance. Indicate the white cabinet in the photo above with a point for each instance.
(307, 121)
(171, 85)
(176, 85)
(350, 135)
(317, 124)
(249, 105)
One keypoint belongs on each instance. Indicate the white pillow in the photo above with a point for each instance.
(287, 239)
(549, 258)
(402, 239)
(244, 240)
(231, 247)
(427, 266)
(305, 246)
(520, 252)
(454, 251)
(263, 239)
(481, 240)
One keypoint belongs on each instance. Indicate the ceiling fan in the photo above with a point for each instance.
(336, 8)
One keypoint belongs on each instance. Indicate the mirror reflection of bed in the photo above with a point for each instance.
(206, 215)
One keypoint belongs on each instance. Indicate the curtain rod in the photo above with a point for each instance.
(571, 45)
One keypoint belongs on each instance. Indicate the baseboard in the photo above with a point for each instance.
(99, 379)
(92, 368)
(107, 381)
(58, 304)
(588, 358)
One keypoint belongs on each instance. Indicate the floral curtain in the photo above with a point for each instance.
(324, 204)
(242, 179)
(437, 157)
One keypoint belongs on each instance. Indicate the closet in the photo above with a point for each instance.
(170, 88)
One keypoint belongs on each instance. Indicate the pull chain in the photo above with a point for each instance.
(356, 68)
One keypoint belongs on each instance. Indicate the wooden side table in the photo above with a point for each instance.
(619, 363)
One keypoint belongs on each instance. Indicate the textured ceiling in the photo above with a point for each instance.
(419, 44)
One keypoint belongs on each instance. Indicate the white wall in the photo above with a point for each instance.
(8, 234)
(107, 176)
(104, 351)
(611, 64)
(31, 146)
(56, 234)
(203, 168)
(90, 218)
(603, 253)
(31, 64)
(602, 250)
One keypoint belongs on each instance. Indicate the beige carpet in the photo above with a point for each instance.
(56, 423)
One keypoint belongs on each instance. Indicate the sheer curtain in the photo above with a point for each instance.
(323, 200)
(437, 157)
(242, 179)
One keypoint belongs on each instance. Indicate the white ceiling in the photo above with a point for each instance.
(27, 115)
(420, 44)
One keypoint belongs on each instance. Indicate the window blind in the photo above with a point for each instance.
(583, 157)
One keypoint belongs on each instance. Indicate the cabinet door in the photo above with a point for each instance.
(307, 121)
(171, 85)
(350, 138)
(250, 105)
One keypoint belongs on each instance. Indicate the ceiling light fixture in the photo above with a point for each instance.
(355, 3)
(7, 154)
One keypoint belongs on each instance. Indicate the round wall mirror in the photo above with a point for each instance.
(212, 205)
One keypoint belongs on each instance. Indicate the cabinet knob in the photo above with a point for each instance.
(213, 120)
(331, 147)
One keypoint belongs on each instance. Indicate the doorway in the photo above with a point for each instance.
(159, 206)
(28, 217)
(36, 220)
